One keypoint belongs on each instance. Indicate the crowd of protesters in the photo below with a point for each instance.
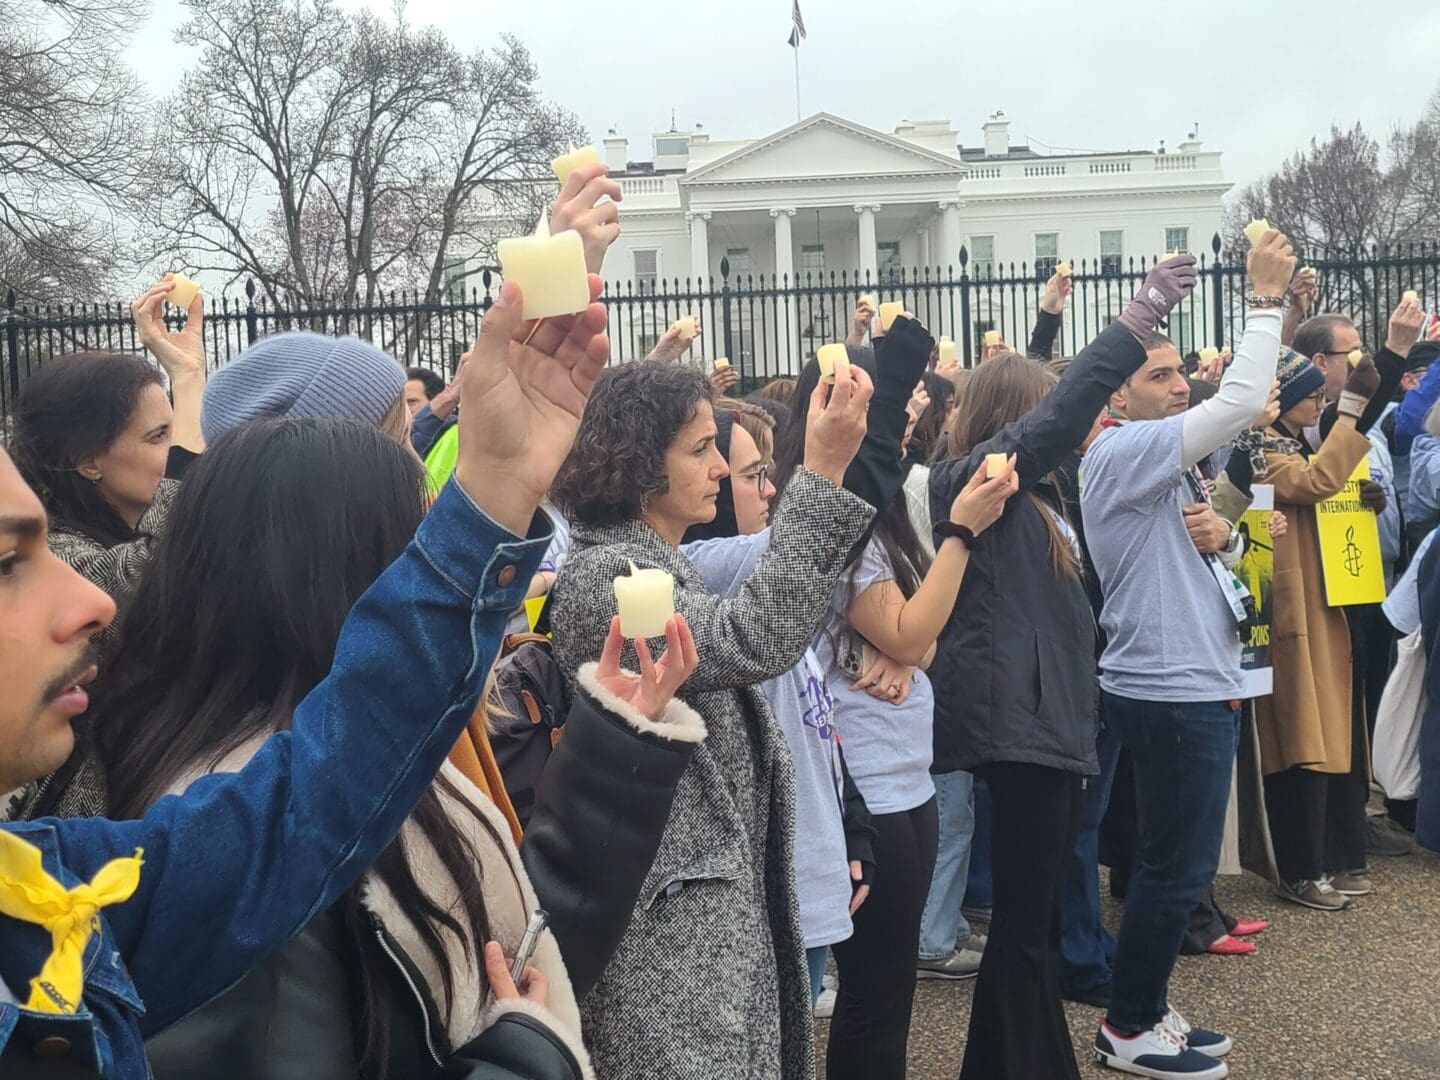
(316, 691)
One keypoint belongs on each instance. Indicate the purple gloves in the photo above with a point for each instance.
(1164, 287)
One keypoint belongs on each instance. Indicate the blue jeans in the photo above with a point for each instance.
(943, 926)
(816, 958)
(1086, 947)
(1184, 755)
(980, 887)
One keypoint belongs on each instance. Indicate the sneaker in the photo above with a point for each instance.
(1313, 894)
(974, 943)
(830, 981)
(1387, 838)
(1210, 1043)
(1095, 996)
(1352, 883)
(1158, 1053)
(961, 964)
(825, 1005)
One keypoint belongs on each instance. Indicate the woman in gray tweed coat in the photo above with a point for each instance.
(709, 981)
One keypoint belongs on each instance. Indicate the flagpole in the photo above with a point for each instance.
(797, 83)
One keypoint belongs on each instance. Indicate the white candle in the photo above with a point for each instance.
(645, 600)
(1355, 356)
(830, 357)
(1307, 271)
(889, 313)
(565, 164)
(871, 299)
(947, 352)
(184, 291)
(992, 338)
(1255, 230)
(550, 271)
(687, 327)
(1208, 355)
(996, 465)
(721, 363)
(1063, 269)
(1411, 296)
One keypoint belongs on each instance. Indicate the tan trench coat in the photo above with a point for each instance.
(1307, 720)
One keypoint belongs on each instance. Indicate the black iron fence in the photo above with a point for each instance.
(767, 327)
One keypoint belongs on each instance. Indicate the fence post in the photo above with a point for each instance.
(1217, 295)
(12, 342)
(725, 304)
(252, 322)
(963, 330)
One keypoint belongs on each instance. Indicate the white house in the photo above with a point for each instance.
(827, 194)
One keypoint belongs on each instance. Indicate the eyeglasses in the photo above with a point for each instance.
(760, 477)
(1318, 398)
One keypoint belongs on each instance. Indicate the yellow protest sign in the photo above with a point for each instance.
(1256, 571)
(533, 608)
(1350, 546)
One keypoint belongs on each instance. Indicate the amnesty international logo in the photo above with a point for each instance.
(1353, 562)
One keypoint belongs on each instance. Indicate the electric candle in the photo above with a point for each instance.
(871, 299)
(550, 271)
(947, 352)
(645, 601)
(183, 292)
(830, 357)
(721, 363)
(1355, 356)
(889, 313)
(1209, 355)
(1255, 230)
(565, 164)
(996, 465)
(1411, 296)
(992, 338)
(1307, 271)
(687, 327)
(1063, 269)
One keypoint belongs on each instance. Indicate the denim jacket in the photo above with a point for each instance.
(243, 861)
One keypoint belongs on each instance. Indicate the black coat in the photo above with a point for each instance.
(1014, 675)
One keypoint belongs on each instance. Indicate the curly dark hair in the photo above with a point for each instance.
(618, 463)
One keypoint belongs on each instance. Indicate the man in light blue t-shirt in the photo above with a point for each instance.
(1170, 673)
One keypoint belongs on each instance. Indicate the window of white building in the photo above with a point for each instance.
(812, 259)
(647, 269)
(887, 254)
(982, 256)
(1112, 250)
(1047, 253)
(1177, 239)
(741, 265)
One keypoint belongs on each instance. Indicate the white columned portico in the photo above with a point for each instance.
(699, 247)
(924, 247)
(869, 266)
(785, 278)
(949, 253)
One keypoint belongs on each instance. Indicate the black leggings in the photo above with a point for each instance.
(1017, 1023)
(877, 964)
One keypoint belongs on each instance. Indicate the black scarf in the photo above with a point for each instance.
(724, 523)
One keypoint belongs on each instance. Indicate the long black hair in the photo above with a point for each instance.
(71, 408)
(892, 527)
(281, 525)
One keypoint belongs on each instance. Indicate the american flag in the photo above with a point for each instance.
(797, 31)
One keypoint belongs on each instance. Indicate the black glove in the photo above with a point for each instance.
(1372, 496)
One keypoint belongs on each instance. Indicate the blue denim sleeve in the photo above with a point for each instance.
(241, 862)
(1414, 406)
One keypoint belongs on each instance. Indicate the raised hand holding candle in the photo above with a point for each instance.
(184, 291)
(645, 601)
(870, 299)
(1255, 230)
(992, 338)
(550, 271)
(947, 353)
(889, 313)
(996, 465)
(687, 327)
(1063, 269)
(1209, 355)
(829, 357)
(721, 363)
(565, 164)
(1411, 296)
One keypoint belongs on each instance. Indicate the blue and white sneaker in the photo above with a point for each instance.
(1157, 1053)
(1210, 1043)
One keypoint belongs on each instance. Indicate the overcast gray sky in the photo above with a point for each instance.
(1260, 78)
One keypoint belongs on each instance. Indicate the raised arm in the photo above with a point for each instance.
(1247, 384)
(182, 357)
(1048, 318)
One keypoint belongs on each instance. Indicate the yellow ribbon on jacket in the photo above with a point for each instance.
(29, 893)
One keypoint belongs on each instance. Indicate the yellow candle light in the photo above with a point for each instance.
(1411, 296)
(184, 291)
(1209, 355)
(1308, 271)
(687, 327)
(1063, 269)
(992, 338)
(1255, 230)
(565, 164)
(721, 363)
(996, 465)
(1355, 356)
(889, 313)
(947, 352)
(646, 602)
(871, 299)
(550, 271)
(830, 357)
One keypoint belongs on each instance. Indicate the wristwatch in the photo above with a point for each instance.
(1232, 546)
(946, 529)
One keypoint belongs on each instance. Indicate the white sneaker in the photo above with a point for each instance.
(825, 1004)
(1159, 1053)
(1210, 1043)
(830, 981)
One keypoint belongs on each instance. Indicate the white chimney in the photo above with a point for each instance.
(617, 152)
(997, 134)
(1191, 145)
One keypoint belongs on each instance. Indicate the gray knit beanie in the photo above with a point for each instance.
(302, 374)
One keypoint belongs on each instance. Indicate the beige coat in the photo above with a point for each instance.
(1307, 720)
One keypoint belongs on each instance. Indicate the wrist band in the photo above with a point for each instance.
(1352, 404)
(1265, 301)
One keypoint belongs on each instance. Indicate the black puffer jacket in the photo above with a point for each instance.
(1014, 675)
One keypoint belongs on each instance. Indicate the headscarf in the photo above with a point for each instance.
(724, 523)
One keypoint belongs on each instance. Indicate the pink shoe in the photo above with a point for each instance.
(1250, 927)
(1229, 946)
